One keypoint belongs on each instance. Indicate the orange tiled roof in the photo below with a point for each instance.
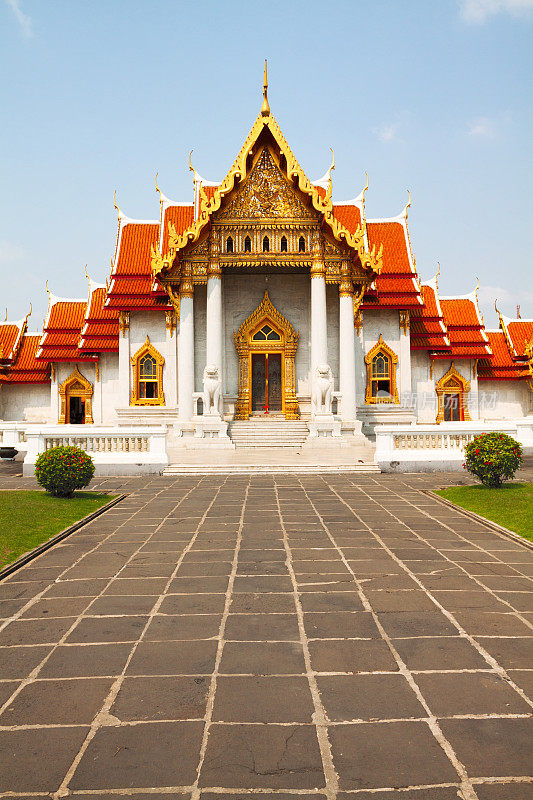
(181, 217)
(26, 368)
(501, 366)
(396, 286)
(100, 331)
(428, 331)
(521, 334)
(465, 328)
(62, 329)
(10, 338)
(131, 282)
(348, 215)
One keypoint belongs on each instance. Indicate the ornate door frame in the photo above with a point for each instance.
(287, 345)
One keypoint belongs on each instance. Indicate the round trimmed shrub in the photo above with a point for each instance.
(61, 470)
(493, 458)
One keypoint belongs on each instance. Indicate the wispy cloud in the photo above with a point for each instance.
(387, 132)
(482, 128)
(10, 252)
(24, 20)
(507, 302)
(477, 11)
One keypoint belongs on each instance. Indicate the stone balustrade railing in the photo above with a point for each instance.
(13, 434)
(425, 448)
(115, 451)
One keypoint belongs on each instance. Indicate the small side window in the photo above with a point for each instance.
(229, 244)
(247, 245)
(284, 244)
(266, 244)
(301, 244)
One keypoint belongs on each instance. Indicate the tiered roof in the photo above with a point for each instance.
(61, 333)
(502, 366)
(428, 331)
(100, 330)
(26, 368)
(11, 334)
(465, 327)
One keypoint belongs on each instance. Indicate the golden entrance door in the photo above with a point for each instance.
(267, 385)
(266, 343)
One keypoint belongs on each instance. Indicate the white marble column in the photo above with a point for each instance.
(319, 325)
(124, 356)
(405, 374)
(186, 350)
(346, 351)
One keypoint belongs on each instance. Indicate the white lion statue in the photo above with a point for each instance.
(212, 390)
(323, 389)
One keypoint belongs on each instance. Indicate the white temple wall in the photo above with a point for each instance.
(200, 330)
(25, 402)
(386, 324)
(423, 386)
(504, 400)
(106, 390)
(153, 325)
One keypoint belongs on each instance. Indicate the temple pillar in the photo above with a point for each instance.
(214, 337)
(319, 325)
(186, 347)
(346, 348)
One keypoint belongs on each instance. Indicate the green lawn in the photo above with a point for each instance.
(27, 519)
(510, 506)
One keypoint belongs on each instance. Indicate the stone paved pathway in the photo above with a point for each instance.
(272, 637)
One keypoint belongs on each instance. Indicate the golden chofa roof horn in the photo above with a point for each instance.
(265, 108)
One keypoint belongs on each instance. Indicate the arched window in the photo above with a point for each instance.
(266, 334)
(266, 244)
(381, 364)
(147, 366)
(301, 244)
(452, 390)
(284, 244)
(75, 394)
(229, 245)
(247, 245)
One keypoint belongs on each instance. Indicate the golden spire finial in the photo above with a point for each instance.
(46, 287)
(86, 273)
(191, 168)
(5, 320)
(156, 186)
(265, 108)
(518, 312)
(117, 209)
(438, 271)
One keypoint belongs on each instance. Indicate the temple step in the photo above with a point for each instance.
(268, 433)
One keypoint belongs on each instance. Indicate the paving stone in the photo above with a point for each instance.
(263, 699)
(36, 760)
(433, 793)
(439, 652)
(76, 661)
(161, 698)
(18, 662)
(470, 693)
(488, 623)
(491, 747)
(368, 697)
(107, 629)
(413, 623)
(37, 702)
(262, 658)
(149, 754)
(262, 627)
(351, 656)
(56, 607)
(399, 744)
(524, 679)
(262, 756)
(173, 658)
(410, 600)
(35, 631)
(340, 624)
(262, 603)
(186, 626)
(192, 604)
(131, 605)
(505, 791)
(10, 607)
(331, 601)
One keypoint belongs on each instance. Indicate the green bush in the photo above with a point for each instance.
(61, 470)
(493, 458)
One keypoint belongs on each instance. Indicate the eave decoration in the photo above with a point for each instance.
(287, 343)
(76, 385)
(452, 383)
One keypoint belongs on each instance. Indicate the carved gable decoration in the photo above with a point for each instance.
(266, 194)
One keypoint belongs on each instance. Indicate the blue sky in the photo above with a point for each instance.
(435, 97)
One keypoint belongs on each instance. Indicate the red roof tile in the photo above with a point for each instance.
(62, 330)
(465, 328)
(131, 282)
(396, 286)
(181, 217)
(10, 337)
(100, 331)
(26, 368)
(520, 333)
(348, 215)
(428, 331)
(501, 366)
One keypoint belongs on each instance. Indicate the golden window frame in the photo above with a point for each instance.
(381, 347)
(147, 349)
(76, 385)
(453, 383)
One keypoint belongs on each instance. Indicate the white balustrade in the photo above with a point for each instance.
(115, 451)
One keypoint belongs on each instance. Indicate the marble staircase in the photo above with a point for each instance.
(275, 432)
